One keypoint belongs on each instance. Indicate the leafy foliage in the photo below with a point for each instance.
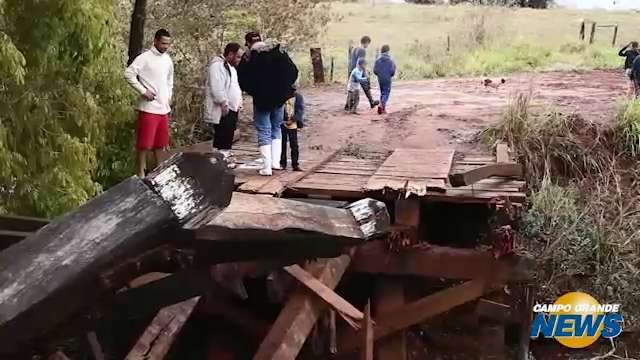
(61, 102)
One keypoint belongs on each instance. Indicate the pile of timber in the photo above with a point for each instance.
(180, 248)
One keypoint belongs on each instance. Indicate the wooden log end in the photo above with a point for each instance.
(190, 182)
(372, 217)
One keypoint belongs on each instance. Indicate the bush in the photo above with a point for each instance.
(628, 128)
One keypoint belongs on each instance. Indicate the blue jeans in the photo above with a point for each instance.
(385, 91)
(268, 124)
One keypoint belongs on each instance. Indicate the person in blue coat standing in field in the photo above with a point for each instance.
(385, 70)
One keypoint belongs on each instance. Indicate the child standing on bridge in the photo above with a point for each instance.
(356, 79)
(385, 70)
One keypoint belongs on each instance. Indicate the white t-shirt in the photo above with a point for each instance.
(152, 70)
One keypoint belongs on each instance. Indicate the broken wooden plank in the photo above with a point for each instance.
(419, 311)
(22, 223)
(325, 293)
(156, 341)
(483, 172)
(297, 318)
(44, 278)
(274, 220)
(11, 237)
(367, 346)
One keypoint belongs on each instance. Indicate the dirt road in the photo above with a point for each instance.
(449, 112)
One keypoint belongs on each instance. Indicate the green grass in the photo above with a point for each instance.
(484, 40)
(628, 128)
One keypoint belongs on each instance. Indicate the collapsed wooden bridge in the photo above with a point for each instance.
(372, 238)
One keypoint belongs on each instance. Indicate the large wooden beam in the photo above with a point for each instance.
(22, 223)
(44, 278)
(274, 220)
(473, 176)
(419, 311)
(300, 314)
(433, 261)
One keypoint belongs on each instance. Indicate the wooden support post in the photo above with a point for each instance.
(390, 298)
(448, 43)
(615, 35)
(37, 295)
(593, 33)
(156, 341)
(582, 31)
(318, 67)
(297, 318)
(367, 346)
(332, 65)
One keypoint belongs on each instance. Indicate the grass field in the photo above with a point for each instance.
(484, 40)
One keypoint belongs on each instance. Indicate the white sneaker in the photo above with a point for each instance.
(276, 151)
(265, 151)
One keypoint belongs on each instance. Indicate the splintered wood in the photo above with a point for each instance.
(413, 171)
(157, 339)
(299, 315)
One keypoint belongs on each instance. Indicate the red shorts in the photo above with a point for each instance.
(152, 131)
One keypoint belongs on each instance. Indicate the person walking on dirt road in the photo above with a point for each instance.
(385, 70)
(267, 73)
(360, 52)
(223, 97)
(356, 80)
(630, 52)
(151, 74)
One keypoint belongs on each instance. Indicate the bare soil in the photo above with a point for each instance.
(450, 112)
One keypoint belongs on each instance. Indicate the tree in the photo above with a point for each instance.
(136, 33)
(62, 102)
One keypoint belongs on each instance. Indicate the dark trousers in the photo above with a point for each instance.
(223, 132)
(366, 89)
(291, 136)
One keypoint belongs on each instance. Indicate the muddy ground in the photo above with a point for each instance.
(450, 112)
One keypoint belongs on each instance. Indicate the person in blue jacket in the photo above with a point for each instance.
(635, 73)
(385, 70)
(293, 120)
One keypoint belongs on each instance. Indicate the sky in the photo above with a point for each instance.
(603, 4)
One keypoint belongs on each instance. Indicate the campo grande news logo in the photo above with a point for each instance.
(576, 320)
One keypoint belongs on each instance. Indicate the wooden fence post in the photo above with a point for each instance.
(318, 67)
(331, 73)
(593, 33)
(582, 30)
(615, 35)
(448, 43)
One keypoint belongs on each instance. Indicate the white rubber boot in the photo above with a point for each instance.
(276, 151)
(265, 151)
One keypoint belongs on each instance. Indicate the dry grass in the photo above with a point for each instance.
(583, 220)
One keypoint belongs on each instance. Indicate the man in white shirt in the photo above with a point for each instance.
(223, 97)
(151, 74)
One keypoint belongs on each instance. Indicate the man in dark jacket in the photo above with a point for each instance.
(630, 52)
(267, 74)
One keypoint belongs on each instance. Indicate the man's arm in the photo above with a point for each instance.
(376, 67)
(216, 84)
(393, 68)
(622, 52)
(170, 82)
(131, 74)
